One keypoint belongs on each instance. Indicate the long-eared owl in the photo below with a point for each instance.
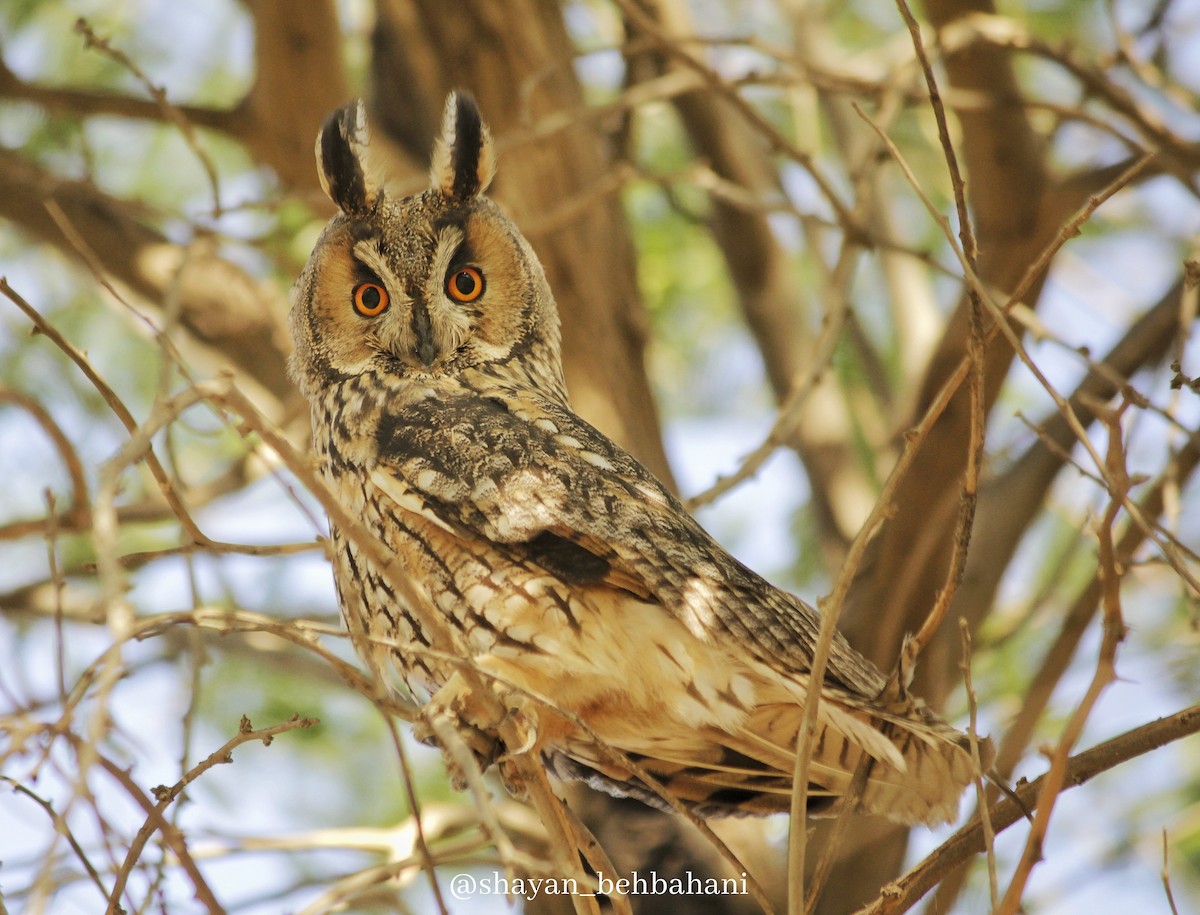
(427, 344)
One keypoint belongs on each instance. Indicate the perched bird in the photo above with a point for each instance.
(427, 343)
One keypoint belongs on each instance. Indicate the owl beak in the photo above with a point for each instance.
(422, 329)
(427, 350)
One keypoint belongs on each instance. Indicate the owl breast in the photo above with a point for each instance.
(521, 610)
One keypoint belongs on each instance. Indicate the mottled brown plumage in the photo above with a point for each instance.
(427, 344)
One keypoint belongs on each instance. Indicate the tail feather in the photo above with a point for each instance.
(916, 765)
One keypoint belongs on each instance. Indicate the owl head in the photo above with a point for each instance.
(419, 287)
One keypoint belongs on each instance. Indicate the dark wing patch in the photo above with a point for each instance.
(569, 561)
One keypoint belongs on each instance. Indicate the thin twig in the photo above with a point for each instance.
(63, 828)
(165, 796)
(831, 610)
(428, 864)
(714, 82)
(797, 851)
(169, 110)
(802, 387)
(1165, 875)
(1118, 98)
(999, 313)
(965, 231)
(989, 834)
(1110, 571)
(111, 399)
(597, 858)
(173, 838)
(77, 512)
(833, 839)
(302, 633)
(551, 809)
(975, 355)
(467, 769)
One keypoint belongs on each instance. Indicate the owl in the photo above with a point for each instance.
(427, 344)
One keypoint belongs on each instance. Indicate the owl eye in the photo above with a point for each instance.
(465, 285)
(370, 299)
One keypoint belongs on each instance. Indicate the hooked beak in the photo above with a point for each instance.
(422, 329)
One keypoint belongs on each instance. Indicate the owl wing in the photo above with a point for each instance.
(530, 475)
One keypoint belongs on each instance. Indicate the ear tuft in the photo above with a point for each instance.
(463, 159)
(342, 150)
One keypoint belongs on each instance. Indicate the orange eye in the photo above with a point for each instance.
(370, 299)
(465, 285)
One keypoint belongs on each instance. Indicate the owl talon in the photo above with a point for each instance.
(525, 725)
(423, 733)
(482, 745)
(513, 780)
(485, 747)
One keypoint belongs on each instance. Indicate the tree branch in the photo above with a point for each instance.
(83, 103)
(224, 308)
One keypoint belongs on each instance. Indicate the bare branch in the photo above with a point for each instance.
(76, 514)
(1166, 876)
(170, 112)
(85, 103)
(224, 308)
(1106, 671)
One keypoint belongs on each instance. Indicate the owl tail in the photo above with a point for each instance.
(916, 766)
